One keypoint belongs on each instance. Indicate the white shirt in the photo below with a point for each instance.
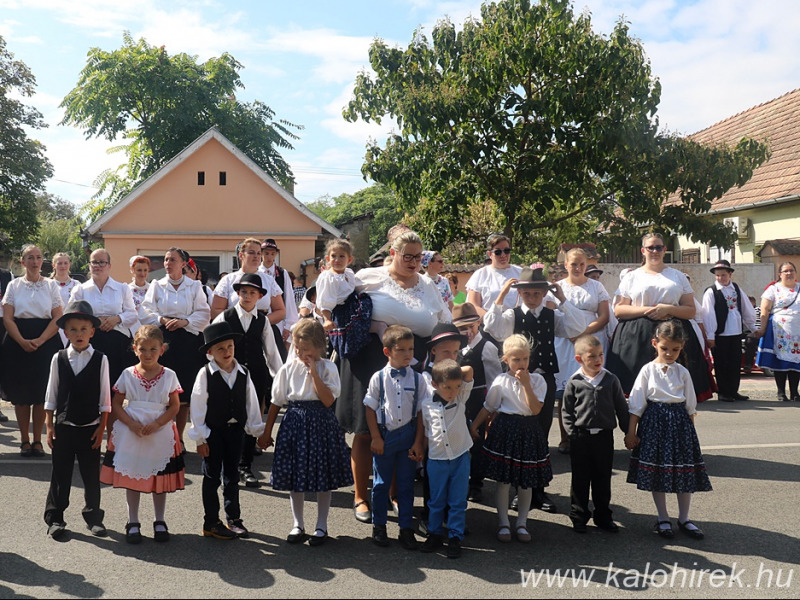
(288, 297)
(294, 383)
(224, 289)
(507, 396)
(736, 319)
(334, 288)
(488, 282)
(649, 289)
(78, 361)
(659, 382)
(491, 360)
(187, 302)
(271, 355)
(198, 408)
(34, 300)
(398, 391)
(66, 288)
(114, 300)
(500, 325)
(446, 426)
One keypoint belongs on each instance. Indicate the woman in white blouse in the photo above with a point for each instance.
(31, 306)
(178, 305)
(112, 303)
(648, 295)
(400, 296)
(61, 275)
(485, 284)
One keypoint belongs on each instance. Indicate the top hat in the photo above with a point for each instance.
(592, 269)
(216, 333)
(722, 264)
(444, 332)
(532, 278)
(78, 309)
(464, 314)
(269, 244)
(250, 280)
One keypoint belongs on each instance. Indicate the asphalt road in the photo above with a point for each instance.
(752, 545)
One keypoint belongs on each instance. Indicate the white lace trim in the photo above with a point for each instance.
(413, 297)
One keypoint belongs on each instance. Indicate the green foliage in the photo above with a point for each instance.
(24, 169)
(158, 104)
(529, 109)
(59, 230)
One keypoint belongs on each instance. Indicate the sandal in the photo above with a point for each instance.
(504, 534)
(523, 535)
(25, 449)
(37, 450)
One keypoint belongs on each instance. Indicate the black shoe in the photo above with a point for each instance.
(579, 527)
(247, 478)
(407, 539)
(543, 502)
(475, 494)
(432, 543)
(98, 530)
(219, 531)
(722, 398)
(3, 418)
(609, 526)
(666, 533)
(454, 547)
(695, 533)
(160, 535)
(740, 397)
(133, 537)
(379, 537)
(782, 397)
(56, 530)
(318, 540)
(796, 398)
(238, 528)
(296, 536)
(514, 503)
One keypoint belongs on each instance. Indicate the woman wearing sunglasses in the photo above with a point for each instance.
(648, 295)
(485, 284)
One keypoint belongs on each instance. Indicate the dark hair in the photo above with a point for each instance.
(674, 331)
(396, 334)
(446, 370)
(182, 253)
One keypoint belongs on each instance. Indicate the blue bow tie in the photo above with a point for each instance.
(395, 372)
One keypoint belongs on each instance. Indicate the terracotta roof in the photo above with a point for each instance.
(783, 247)
(776, 122)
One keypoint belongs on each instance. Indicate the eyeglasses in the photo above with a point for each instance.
(98, 263)
(499, 252)
(412, 258)
(655, 248)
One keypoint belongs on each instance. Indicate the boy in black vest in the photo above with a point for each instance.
(224, 407)
(256, 350)
(79, 397)
(540, 324)
(728, 314)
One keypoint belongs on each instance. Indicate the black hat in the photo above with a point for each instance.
(531, 278)
(269, 244)
(216, 333)
(445, 332)
(250, 280)
(592, 269)
(79, 309)
(722, 264)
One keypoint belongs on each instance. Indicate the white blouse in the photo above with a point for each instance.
(419, 308)
(187, 302)
(645, 289)
(66, 289)
(224, 289)
(334, 288)
(294, 383)
(507, 396)
(660, 382)
(488, 282)
(115, 299)
(32, 300)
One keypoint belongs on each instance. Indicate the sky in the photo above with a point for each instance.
(714, 58)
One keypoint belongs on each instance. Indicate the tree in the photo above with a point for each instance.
(159, 104)
(529, 109)
(59, 230)
(24, 169)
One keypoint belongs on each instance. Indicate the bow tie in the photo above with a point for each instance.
(439, 399)
(395, 372)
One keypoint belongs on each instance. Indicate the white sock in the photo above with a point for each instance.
(297, 499)
(323, 507)
(132, 499)
(524, 497)
(684, 503)
(160, 509)
(660, 499)
(502, 504)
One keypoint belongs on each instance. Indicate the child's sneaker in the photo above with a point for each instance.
(219, 531)
(407, 539)
(238, 528)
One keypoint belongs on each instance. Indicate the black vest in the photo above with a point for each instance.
(279, 278)
(542, 332)
(250, 349)
(474, 358)
(5, 279)
(721, 306)
(78, 396)
(225, 403)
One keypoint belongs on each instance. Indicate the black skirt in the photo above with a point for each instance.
(183, 356)
(118, 349)
(24, 375)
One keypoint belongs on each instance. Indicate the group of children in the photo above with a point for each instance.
(460, 414)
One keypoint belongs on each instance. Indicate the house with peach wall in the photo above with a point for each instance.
(206, 200)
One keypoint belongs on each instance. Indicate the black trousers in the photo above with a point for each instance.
(592, 458)
(71, 443)
(727, 352)
(222, 463)
(546, 415)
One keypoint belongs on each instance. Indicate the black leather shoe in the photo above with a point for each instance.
(694, 533)
(56, 530)
(579, 527)
(475, 494)
(318, 540)
(666, 533)
(609, 526)
(379, 537)
(741, 397)
(3, 418)
(543, 502)
(158, 534)
(296, 536)
(782, 397)
(722, 398)
(133, 537)
(453, 547)
(432, 544)
(407, 539)
(247, 478)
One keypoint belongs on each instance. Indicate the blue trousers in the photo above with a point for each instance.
(394, 459)
(449, 481)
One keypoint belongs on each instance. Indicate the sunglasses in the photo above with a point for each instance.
(654, 248)
(499, 252)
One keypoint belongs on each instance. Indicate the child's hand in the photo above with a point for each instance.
(97, 437)
(631, 441)
(473, 431)
(505, 289)
(136, 428)
(416, 453)
(51, 436)
(202, 450)
(150, 428)
(376, 446)
(264, 441)
(558, 292)
(523, 376)
(328, 325)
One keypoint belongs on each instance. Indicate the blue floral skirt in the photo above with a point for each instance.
(668, 459)
(516, 452)
(310, 452)
(767, 358)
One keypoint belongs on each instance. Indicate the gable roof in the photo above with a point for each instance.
(212, 133)
(783, 247)
(777, 123)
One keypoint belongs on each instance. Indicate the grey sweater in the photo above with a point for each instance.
(587, 407)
